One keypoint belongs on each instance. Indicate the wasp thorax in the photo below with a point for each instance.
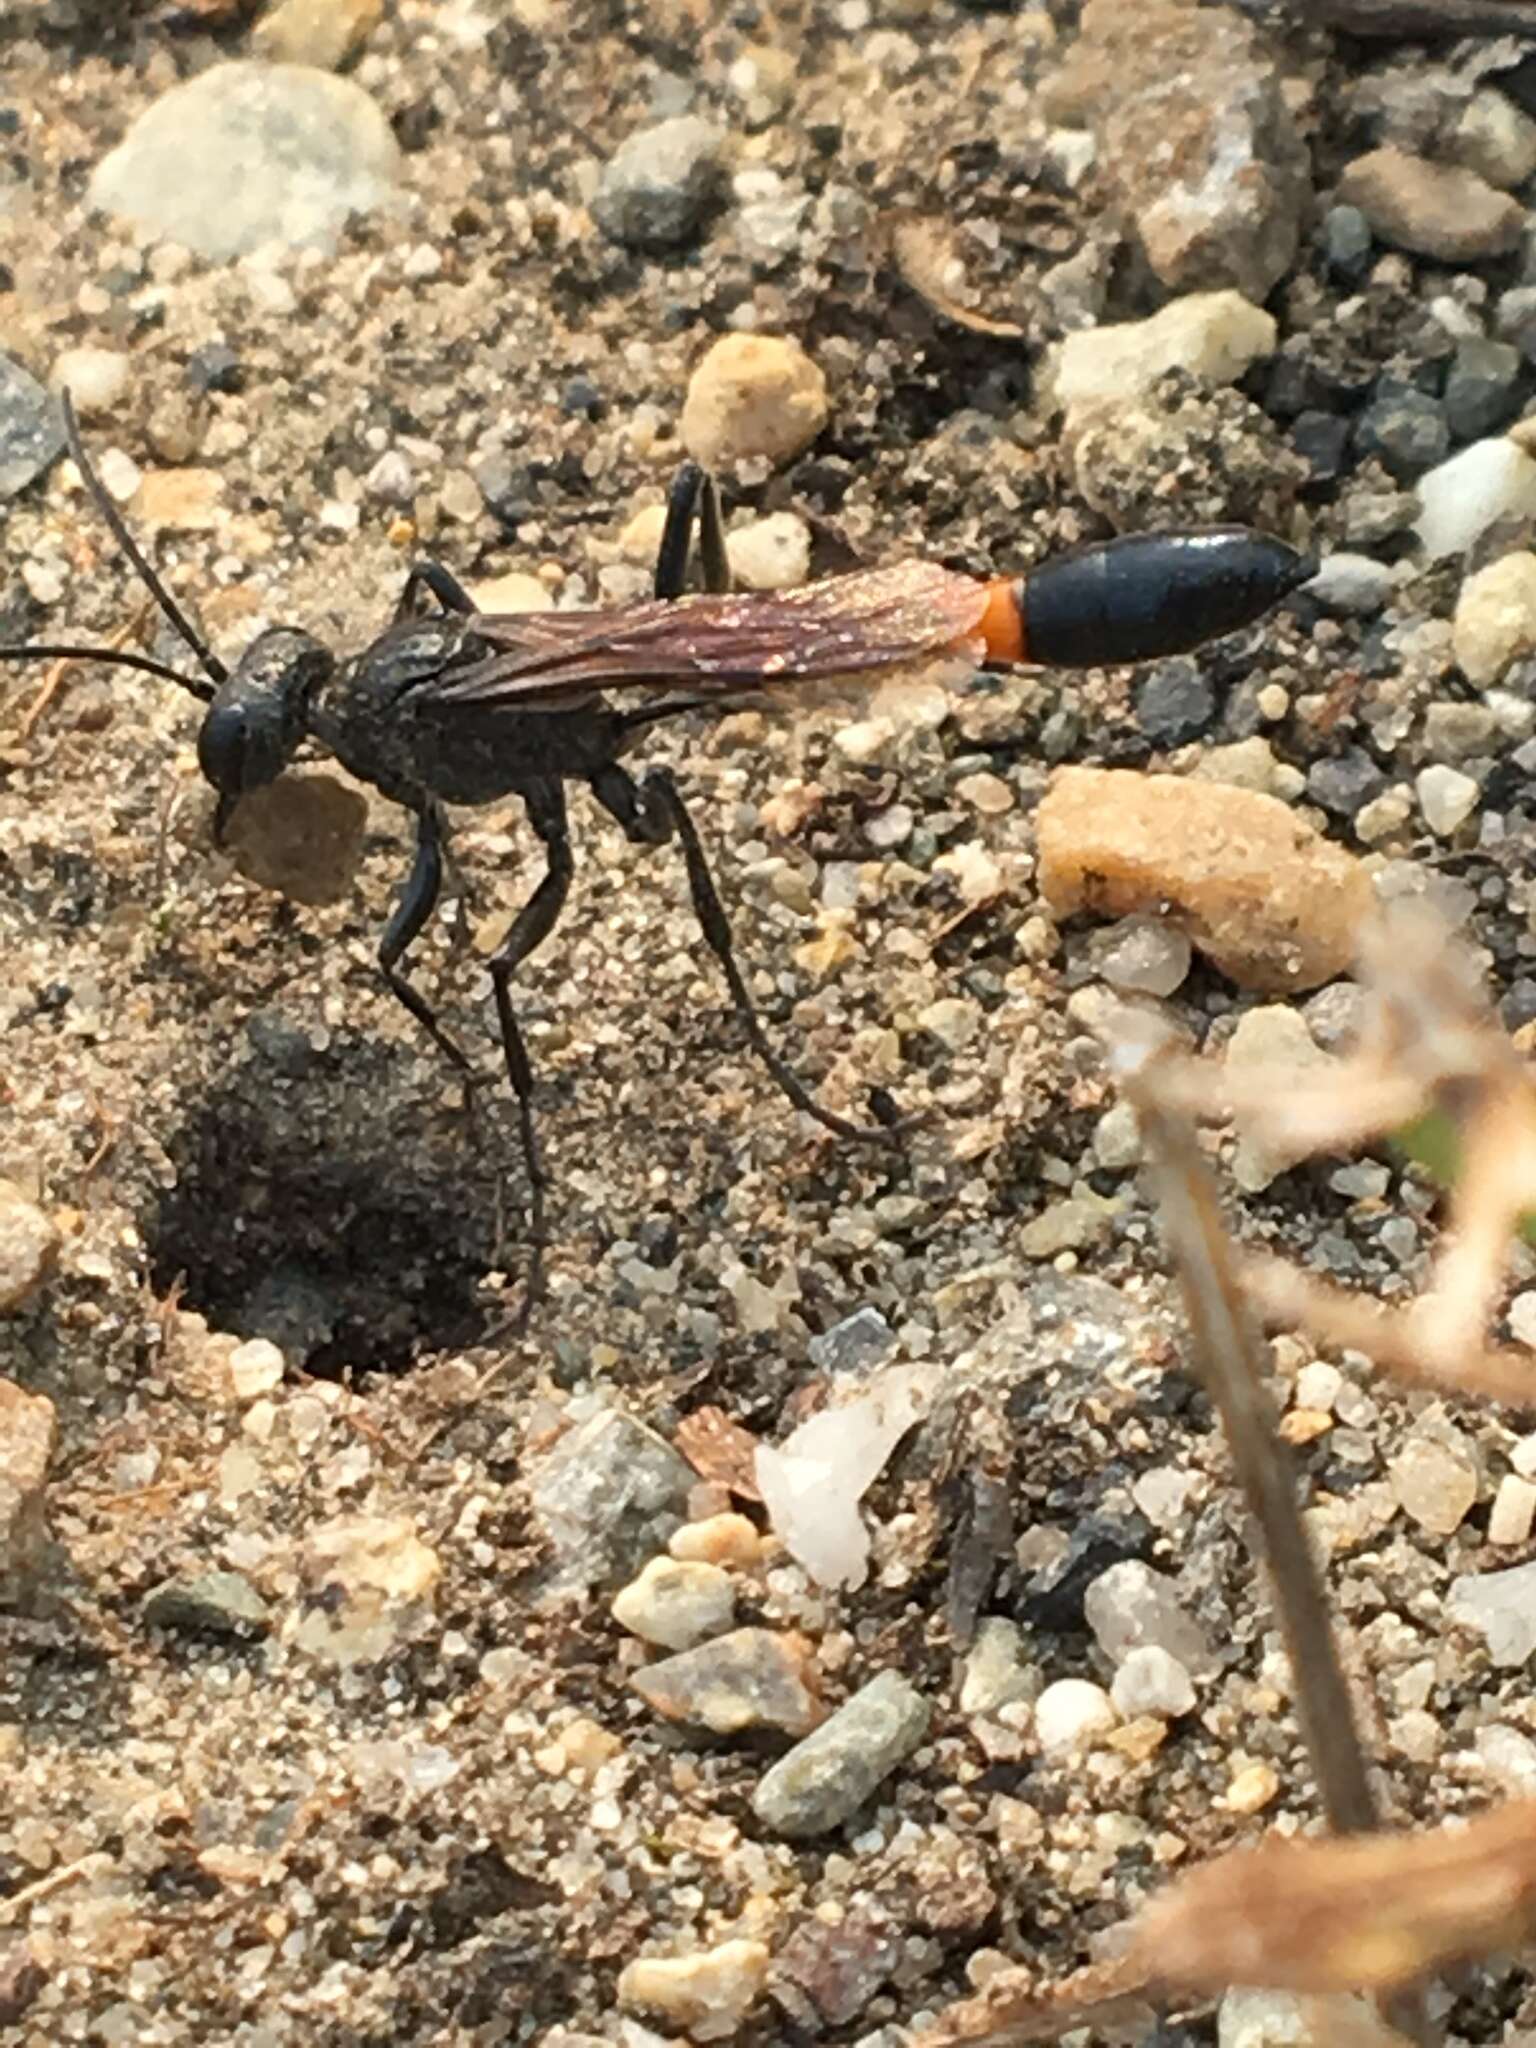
(257, 719)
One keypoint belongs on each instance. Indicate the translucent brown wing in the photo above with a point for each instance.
(847, 625)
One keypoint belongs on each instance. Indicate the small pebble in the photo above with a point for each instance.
(707, 1994)
(31, 428)
(657, 187)
(753, 396)
(1252, 1788)
(1356, 585)
(986, 793)
(1175, 702)
(95, 378)
(1213, 336)
(1317, 1386)
(255, 1368)
(1130, 1607)
(1496, 139)
(825, 1779)
(319, 32)
(28, 1436)
(1150, 1681)
(1142, 955)
(997, 1669)
(770, 554)
(1446, 797)
(1495, 622)
(676, 1604)
(29, 1246)
(1501, 1607)
(208, 1603)
(1482, 389)
(1431, 209)
(724, 1539)
(853, 1345)
(1513, 1510)
(607, 1497)
(1522, 1326)
(952, 1020)
(1071, 1715)
(1435, 1482)
(751, 1678)
(1117, 1138)
(1458, 502)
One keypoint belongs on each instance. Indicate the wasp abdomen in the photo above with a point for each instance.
(1148, 594)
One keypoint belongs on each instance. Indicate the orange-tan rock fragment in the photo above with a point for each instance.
(1266, 898)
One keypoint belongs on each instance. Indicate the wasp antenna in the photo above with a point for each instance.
(207, 659)
(144, 662)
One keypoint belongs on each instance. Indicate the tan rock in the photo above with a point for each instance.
(29, 1244)
(1495, 621)
(1271, 902)
(753, 395)
(708, 1993)
(1431, 209)
(28, 1433)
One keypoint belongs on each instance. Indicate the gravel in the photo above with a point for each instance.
(264, 1333)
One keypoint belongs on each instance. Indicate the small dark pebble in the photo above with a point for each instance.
(1517, 1007)
(212, 1604)
(1061, 735)
(1407, 429)
(215, 367)
(1483, 388)
(1054, 1598)
(582, 399)
(855, 1344)
(1347, 243)
(1345, 782)
(1321, 439)
(1175, 703)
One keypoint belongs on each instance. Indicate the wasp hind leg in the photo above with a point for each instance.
(652, 812)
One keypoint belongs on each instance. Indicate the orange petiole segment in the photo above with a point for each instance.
(1001, 626)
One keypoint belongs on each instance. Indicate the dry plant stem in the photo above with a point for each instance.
(1390, 1338)
(1231, 1362)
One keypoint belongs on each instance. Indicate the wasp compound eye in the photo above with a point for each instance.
(257, 719)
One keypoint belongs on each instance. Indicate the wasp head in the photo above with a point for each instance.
(259, 715)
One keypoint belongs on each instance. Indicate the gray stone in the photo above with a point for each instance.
(1501, 1607)
(1355, 584)
(607, 1497)
(1407, 429)
(209, 1603)
(751, 1678)
(282, 154)
(1483, 388)
(825, 1779)
(1175, 703)
(658, 185)
(31, 428)
(856, 1344)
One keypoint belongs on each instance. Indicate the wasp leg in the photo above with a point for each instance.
(694, 495)
(545, 802)
(420, 894)
(438, 582)
(651, 812)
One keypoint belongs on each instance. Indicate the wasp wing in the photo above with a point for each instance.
(711, 645)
